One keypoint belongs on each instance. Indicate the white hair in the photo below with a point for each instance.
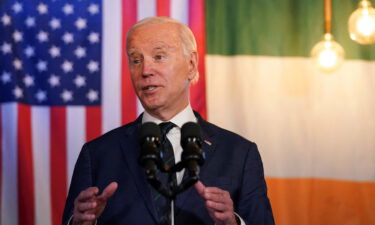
(188, 41)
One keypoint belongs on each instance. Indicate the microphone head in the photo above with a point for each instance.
(190, 130)
(149, 129)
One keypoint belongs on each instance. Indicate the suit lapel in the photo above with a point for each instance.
(208, 147)
(131, 150)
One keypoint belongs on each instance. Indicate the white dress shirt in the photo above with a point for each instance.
(174, 135)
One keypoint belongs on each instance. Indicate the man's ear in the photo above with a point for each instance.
(193, 66)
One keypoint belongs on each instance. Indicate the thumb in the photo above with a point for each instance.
(199, 186)
(109, 191)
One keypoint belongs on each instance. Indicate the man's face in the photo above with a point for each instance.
(159, 70)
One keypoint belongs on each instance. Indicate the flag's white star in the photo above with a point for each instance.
(17, 7)
(92, 95)
(93, 66)
(41, 96)
(42, 8)
(93, 9)
(41, 65)
(17, 64)
(42, 36)
(54, 80)
(29, 51)
(17, 36)
(28, 80)
(17, 92)
(5, 77)
(80, 52)
(54, 51)
(67, 66)
(6, 48)
(67, 96)
(5, 19)
(93, 37)
(68, 9)
(55, 23)
(30, 21)
(80, 23)
(68, 38)
(80, 81)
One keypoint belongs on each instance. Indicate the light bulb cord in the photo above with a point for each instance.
(327, 16)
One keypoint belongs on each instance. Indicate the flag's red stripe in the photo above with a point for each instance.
(58, 159)
(26, 199)
(128, 102)
(163, 7)
(197, 25)
(93, 122)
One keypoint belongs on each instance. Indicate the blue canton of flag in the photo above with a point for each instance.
(50, 52)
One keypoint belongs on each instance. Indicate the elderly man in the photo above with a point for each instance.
(232, 190)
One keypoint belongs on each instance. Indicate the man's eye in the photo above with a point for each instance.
(136, 61)
(159, 57)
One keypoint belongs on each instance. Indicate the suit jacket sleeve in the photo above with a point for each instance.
(82, 179)
(253, 204)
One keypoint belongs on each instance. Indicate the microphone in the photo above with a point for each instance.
(191, 142)
(149, 140)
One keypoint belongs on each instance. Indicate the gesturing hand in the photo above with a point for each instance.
(88, 206)
(218, 203)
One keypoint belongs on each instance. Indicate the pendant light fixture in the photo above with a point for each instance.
(327, 54)
(362, 23)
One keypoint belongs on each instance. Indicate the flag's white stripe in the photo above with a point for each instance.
(76, 134)
(180, 10)
(146, 8)
(306, 124)
(9, 198)
(111, 74)
(40, 125)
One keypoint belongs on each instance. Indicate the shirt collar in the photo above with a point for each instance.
(186, 115)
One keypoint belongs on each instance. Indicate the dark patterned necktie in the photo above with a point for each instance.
(161, 203)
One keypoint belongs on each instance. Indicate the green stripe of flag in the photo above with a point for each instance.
(277, 27)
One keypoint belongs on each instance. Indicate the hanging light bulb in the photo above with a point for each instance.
(362, 23)
(327, 54)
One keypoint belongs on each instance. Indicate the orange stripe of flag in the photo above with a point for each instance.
(321, 201)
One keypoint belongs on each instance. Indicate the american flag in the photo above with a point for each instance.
(63, 81)
(51, 53)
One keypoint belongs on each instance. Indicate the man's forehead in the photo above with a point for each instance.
(158, 46)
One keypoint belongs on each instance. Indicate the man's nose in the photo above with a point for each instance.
(147, 68)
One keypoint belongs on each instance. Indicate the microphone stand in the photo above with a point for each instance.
(172, 189)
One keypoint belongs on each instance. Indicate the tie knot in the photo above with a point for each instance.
(165, 127)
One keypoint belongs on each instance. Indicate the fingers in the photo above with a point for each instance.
(88, 206)
(108, 191)
(83, 217)
(218, 203)
(199, 186)
(87, 194)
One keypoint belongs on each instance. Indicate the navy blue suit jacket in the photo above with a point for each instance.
(232, 163)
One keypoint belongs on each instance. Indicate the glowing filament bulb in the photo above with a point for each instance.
(362, 23)
(327, 54)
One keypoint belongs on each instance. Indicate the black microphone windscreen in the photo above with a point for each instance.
(190, 129)
(149, 129)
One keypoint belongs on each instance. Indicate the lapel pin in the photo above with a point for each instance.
(207, 142)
